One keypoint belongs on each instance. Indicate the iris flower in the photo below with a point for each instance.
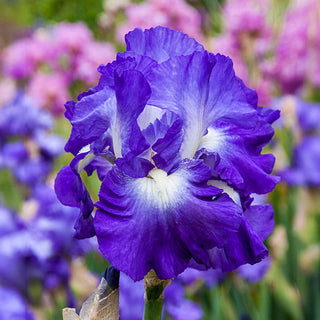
(176, 139)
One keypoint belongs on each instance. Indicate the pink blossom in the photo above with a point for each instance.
(176, 14)
(245, 16)
(71, 37)
(299, 47)
(91, 56)
(247, 40)
(49, 91)
(22, 57)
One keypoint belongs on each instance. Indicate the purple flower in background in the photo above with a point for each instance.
(177, 306)
(39, 249)
(298, 114)
(22, 117)
(31, 154)
(254, 273)
(56, 222)
(13, 306)
(8, 222)
(302, 119)
(131, 302)
(176, 139)
(26, 253)
(305, 169)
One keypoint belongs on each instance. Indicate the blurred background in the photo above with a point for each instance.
(49, 53)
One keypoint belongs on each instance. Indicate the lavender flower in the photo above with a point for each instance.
(183, 136)
(31, 155)
(305, 169)
(22, 118)
(301, 118)
(13, 306)
(298, 114)
(39, 250)
(175, 304)
(254, 273)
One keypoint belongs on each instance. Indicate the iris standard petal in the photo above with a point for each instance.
(161, 221)
(132, 92)
(161, 43)
(201, 88)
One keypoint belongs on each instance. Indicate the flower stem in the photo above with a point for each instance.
(153, 296)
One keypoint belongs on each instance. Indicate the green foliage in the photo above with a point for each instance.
(38, 12)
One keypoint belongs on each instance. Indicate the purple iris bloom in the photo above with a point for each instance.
(179, 130)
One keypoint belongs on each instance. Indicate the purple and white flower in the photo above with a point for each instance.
(176, 139)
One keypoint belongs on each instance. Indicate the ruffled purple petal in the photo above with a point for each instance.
(72, 192)
(132, 92)
(133, 166)
(177, 217)
(201, 88)
(240, 162)
(161, 43)
(91, 118)
(244, 247)
(101, 165)
(260, 218)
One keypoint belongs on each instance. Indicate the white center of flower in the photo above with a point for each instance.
(149, 115)
(160, 189)
(212, 141)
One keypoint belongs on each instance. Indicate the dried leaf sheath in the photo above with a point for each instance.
(103, 304)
